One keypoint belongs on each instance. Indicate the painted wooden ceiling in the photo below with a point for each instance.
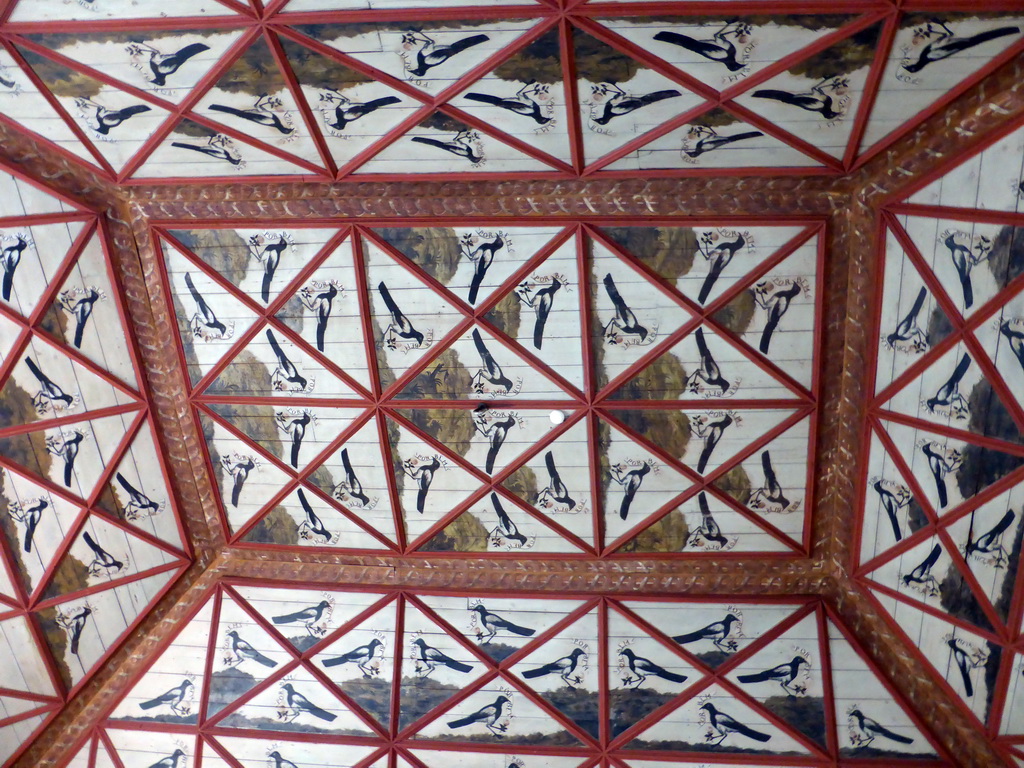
(572, 389)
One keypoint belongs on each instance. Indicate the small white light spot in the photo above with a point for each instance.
(557, 417)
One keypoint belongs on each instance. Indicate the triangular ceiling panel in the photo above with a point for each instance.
(871, 720)
(933, 53)
(252, 96)
(429, 55)
(205, 151)
(170, 690)
(721, 51)
(210, 320)
(260, 263)
(1000, 164)
(45, 10)
(24, 103)
(439, 667)
(352, 110)
(817, 98)
(14, 734)
(471, 262)
(714, 139)
(445, 144)
(33, 255)
(621, 98)
(86, 314)
(115, 123)
(23, 197)
(31, 674)
(148, 747)
(257, 753)
(167, 64)
(912, 322)
(525, 97)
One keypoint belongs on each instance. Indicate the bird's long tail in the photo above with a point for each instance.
(421, 500)
(517, 630)
(478, 278)
(462, 722)
(759, 677)
(8, 284)
(285, 619)
(268, 278)
(296, 444)
(770, 93)
(323, 714)
(766, 334)
(538, 330)
(656, 96)
(236, 491)
(459, 666)
(431, 142)
(672, 677)
(492, 455)
(321, 329)
(750, 733)
(705, 455)
(940, 486)
(150, 704)
(189, 51)
(69, 469)
(385, 294)
(689, 637)
(334, 662)
(539, 672)
(891, 736)
(486, 98)
(895, 523)
(79, 331)
(260, 658)
(968, 289)
(467, 42)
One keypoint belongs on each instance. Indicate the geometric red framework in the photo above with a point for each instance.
(89, 535)
(320, 409)
(941, 535)
(537, 88)
(235, 684)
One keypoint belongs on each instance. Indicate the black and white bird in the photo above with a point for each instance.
(430, 54)
(312, 521)
(171, 761)
(640, 669)
(709, 528)
(565, 668)
(321, 302)
(488, 716)
(482, 255)
(872, 729)
(491, 624)
(295, 428)
(299, 703)
(776, 303)
(463, 144)
(347, 111)
(360, 656)
(219, 147)
(783, 674)
(400, 325)
(615, 102)
(172, 698)
(286, 376)
(718, 48)
(490, 372)
(624, 319)
(940, 465)
(966, 258)
(527, 102)
(138, 502)
(269, 254)
(507, 529)
(711, 432)
(204, 323)
(943, 43)
(724, 725)
(81, 308)
(964, 663)
(948, 395)
(66, 448)
(990, 542)
(707, 371)
(1015, 338)
(261, 113)
(430, 658)
(717, 632)
(555, 493)
(816, 99)
(907, 329)
(102, 119)
(718, 259)
(102, 561)
(770, 496)
(892, 503)
(308, 617)
(423, 474)
(245, 652)
(239, 467)
(10, 258)
(30, 517)
(921, 574)
(352, 485)
(708, 140)
(630, 480)
(49, 393)
(163, 65)
(540, 302)
(495, 432)
(280, 762)
(74, 625)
